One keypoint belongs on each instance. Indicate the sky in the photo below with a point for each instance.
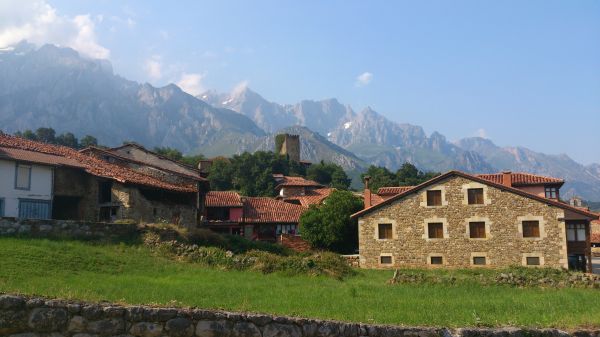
(521, 73)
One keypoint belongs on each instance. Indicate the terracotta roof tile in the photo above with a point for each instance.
(520, 179)
(268, 210)
(294, 181)
(37, 157)
(91, 164)
(393, 190)
(312, 197)
(223, 199)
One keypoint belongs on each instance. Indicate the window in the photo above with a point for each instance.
(34, 209)
(479, 260)
(385, 231)
(434, 198)
(435, 230)
(1, 208)
(532, 261)
(531, 229)
(23, 177)
(551, 192)
(385, 259)
(105, 192)
(475, 196)
(436, 260)
(576, 232)
(477, 230)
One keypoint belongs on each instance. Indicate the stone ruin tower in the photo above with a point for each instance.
(286, 144)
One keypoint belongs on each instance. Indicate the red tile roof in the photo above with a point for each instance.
(387, 190)
(37, 157)
(312, 197)
(293, 181)
(90, 164)
(268, 210)
(514, 190)
(223, 199)
(91, 150)
(521, 179)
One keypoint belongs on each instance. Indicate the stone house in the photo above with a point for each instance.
(83, 187)
(462, 220)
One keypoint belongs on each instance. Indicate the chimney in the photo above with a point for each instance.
(367, 193)
(507, 178)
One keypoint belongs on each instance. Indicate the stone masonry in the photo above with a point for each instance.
(502, 213)
(66, 229)
(22, 316)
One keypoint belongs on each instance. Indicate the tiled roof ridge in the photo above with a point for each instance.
(116, 154)
(481, 180)
(524, 178)
(141, 147)
(92, 165)
(223, 199)
(269, 210)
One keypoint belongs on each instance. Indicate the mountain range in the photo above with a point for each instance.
(56, 87)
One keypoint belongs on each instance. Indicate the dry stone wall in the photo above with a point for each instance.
(66, 229)
(37, 317)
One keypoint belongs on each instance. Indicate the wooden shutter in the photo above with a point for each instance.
(434, 198)
(477, 230)
(436, 230)
(531, 229)
(475, 196)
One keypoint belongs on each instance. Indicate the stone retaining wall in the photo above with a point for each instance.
(66, 229)
(37, 317)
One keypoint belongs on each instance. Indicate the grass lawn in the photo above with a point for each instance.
(130, 274)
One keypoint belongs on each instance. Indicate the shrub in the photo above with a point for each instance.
(327, 264)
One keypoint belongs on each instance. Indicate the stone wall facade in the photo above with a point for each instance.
(37, 317)
(134, 205)
(66, 229)
(502, 212)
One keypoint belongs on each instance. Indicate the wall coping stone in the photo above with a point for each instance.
(37, 317)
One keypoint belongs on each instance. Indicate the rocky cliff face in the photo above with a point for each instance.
(56, 87)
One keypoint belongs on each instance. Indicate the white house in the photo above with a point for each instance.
(25, 187)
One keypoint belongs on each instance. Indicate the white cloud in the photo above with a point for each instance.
(39, 23)
(153, 67)
(481, 133)
(364, 79)
(191, 83)
(239, 88)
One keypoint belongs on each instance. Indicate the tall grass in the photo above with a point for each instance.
(131, 274)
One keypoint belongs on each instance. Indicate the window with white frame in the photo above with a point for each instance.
(23, 177)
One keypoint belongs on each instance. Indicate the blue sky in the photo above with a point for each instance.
(518, 72)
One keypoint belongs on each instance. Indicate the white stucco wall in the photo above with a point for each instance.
(41, 186)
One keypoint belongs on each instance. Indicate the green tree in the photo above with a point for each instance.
(380, 176)
(67, 139)
(409, 175)
(329, 226)
(329, 174)
(220, 175)
(88, 141)
(46, 135)
(27, 134)
(168, 152)
(192, 161)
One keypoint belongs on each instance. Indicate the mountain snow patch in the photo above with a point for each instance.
(347, 125)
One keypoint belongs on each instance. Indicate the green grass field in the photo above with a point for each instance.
(130, 274)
